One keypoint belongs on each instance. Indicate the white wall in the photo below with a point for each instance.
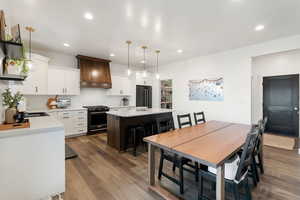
(235, 67)
(283, 63)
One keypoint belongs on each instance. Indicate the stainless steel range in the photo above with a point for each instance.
(97, 120)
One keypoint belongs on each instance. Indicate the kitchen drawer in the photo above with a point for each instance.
(64, 115)
(80, 112)
(80, 130)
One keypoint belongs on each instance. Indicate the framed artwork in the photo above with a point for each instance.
(206, 89)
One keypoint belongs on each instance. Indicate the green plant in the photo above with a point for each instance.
(11, 100)
(21, 62)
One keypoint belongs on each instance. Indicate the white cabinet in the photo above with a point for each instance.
(120, 86)
(36, 81)
(63, 81)
(75, 121)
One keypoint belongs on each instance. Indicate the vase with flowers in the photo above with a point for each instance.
(11, 102)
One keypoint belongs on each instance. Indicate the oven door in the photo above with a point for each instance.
(97, 121)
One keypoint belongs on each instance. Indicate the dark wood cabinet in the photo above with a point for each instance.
(94, 72)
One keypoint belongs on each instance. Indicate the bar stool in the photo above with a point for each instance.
(136, 133)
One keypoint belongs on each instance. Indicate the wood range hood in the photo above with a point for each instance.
(94, 72)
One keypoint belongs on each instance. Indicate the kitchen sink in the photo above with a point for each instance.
(36, 114)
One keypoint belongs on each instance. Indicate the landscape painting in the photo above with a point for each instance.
(206, 89)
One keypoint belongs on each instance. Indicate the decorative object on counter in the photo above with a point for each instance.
(206, 89)
(19, 117)
(125, 101)
(63, 102)
(24, 124)
(157, 74)
(29, 61)
(2, 25)
(11, 101)
(52, 102)
(128, 58)
(16, 34)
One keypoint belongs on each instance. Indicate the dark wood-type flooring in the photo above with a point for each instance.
(102, 173)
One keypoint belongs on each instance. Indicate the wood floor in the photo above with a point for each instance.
(102, 173)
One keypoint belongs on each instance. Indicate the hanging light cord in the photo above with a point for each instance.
(144, 58)
(157, 61)
(29, 45)
(128, 56)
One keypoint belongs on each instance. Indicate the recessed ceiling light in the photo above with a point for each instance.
(88, 16)
(179, 51)
(112, 55)
(143, 61)
(66, 45)
(259, 27)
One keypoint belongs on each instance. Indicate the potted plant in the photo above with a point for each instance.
(17, 66)
(11, 101)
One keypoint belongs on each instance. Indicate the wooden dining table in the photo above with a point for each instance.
(210, 144)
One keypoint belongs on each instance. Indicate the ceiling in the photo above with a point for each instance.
(198, 27)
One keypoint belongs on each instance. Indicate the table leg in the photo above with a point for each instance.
(220, 183)
(151, 164)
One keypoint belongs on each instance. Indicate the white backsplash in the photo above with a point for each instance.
(88, 96)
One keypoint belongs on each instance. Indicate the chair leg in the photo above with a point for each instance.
(254, 169)
(200, 195)
(181, 176)
(174, 163)
(196, 172)
(249, 196)
(261, 166)
(161, 163)
(254, 176)
(134, 142)
(236, 191)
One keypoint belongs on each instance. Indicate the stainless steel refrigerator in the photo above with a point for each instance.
(143, 96)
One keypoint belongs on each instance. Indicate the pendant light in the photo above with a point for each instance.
(144, 61)
(128, 61)
(157, 53)
(29, 61)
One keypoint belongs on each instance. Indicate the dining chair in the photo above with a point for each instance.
(257, 154)
(184, 120)
(201, 119)
(164, 125)
(236, 169)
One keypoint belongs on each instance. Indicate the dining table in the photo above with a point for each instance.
(210, 143)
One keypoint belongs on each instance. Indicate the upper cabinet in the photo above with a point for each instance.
(121, 86)
(94, 72)
(63, 81)
(36, 82)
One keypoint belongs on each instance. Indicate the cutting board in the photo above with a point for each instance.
(25, 124)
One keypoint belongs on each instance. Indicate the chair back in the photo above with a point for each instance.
(246, 157)
(199, 117)
(187, 120)
(164, 124)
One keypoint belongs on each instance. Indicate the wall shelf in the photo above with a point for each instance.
(10, 77)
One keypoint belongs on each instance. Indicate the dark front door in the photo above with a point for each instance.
(281, 104)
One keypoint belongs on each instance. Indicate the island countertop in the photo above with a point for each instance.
(37, 125)
(136, 112)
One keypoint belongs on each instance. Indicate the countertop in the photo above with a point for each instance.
(38, 125)
(135, 112)
(58, 109)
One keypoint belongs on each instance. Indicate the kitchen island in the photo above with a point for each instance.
(32, 162)
(118, 123)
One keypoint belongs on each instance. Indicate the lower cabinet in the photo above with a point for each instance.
(75, 121)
